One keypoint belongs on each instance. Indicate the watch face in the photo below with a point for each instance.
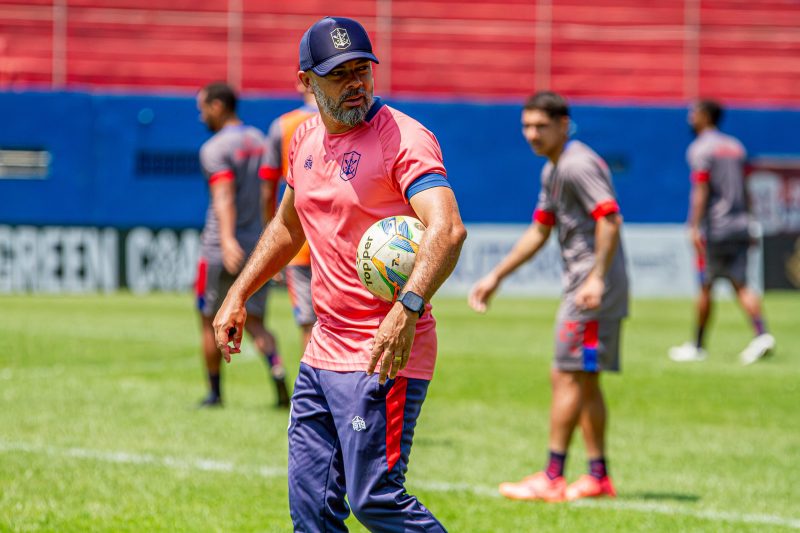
(413, 301)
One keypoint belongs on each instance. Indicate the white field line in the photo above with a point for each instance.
(211, 465)
(206, 465)
(101, 368)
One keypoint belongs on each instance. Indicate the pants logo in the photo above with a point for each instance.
(359, 424)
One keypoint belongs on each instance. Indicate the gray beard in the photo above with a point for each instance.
(332, 108)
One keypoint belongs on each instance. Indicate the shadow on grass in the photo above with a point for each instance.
(661, 496)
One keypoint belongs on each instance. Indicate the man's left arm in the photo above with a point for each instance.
(437, 256)
(606, 240)
(698, 200)
(592, 187)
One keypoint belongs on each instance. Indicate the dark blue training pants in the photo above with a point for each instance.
(348, 435)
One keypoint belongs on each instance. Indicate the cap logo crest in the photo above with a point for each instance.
(340, 38)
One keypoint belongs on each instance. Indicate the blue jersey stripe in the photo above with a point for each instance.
(425, 182)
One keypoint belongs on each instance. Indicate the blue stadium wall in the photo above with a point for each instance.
(130, 160)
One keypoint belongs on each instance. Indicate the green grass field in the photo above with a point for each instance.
(99, 430)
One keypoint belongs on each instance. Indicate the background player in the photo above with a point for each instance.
(231, 159)
(298, 271)
(350, 431)
(577, 196)
(719, 222)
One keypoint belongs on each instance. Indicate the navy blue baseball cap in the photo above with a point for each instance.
(331, 41)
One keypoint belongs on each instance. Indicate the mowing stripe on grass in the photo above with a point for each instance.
(212, 465)
(206, 465)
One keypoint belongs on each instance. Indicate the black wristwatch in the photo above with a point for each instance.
(413, 302)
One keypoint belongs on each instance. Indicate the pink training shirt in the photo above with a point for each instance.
(343, 183)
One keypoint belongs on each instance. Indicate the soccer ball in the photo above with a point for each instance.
(386, 255)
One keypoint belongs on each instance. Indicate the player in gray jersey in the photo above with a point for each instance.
(719, 221)
(578, 197)
(231, 161)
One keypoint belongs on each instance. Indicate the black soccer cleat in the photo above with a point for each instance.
(212, 400)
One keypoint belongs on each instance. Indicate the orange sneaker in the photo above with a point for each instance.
(590, 487)
(535, 487)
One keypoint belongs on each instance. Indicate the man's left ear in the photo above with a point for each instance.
(566, 125)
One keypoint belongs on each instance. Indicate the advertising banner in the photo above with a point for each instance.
(64, 259)
(69, 259)
(660, 262)
(774, 186)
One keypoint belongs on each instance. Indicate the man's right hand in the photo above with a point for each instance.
(482, 292)
(229, 326)
(232, 255)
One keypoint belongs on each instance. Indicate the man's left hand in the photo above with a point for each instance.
(590, 293)
(393, 341)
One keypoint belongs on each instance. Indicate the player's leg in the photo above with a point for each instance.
(316, 470)
(751, 304)
(703, 315)
(213, 360)
(593, 417)
(265, 343)
(375, 424)
(604, 341)
(298, 285)
(763, 342)
(708, 270)
(593, 422)
(207, 293)
(565, 408)
(566, 379)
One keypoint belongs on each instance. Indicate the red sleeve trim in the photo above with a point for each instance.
(269, 173)
(544, 217)
(701, 176)
(224, 175)
(605, 208)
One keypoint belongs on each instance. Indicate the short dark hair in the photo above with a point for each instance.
(219, 90)
(551, 103)
(712, 108)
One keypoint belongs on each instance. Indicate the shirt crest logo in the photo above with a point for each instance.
(349, 165)
(309, 162)
(359, 424)
(340, 39)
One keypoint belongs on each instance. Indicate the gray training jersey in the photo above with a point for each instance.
(719, 160)
(574, 193)
(234, 152)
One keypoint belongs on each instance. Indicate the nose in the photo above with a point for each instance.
(356, 80)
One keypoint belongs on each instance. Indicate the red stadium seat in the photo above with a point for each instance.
(612, 49)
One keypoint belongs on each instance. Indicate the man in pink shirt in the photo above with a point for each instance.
(350, 430)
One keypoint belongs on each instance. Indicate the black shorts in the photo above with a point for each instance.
(727, 259)
(212, 285)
